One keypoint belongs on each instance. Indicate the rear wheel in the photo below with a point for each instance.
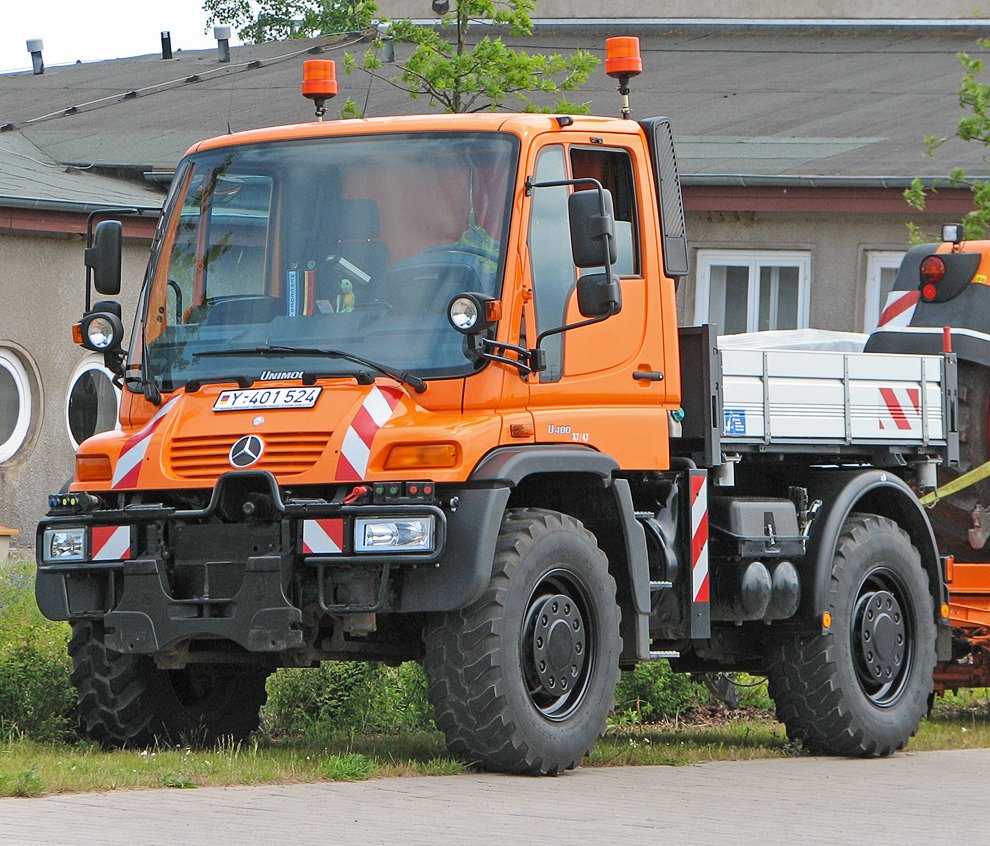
(523, 679)
(863, 686)
(125, 700)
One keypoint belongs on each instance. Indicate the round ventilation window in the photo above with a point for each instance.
(15, 404)
(92, 401)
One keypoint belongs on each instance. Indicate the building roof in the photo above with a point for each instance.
(29, 178)
(750, 105)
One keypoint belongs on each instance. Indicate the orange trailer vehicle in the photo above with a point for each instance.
(414, 388)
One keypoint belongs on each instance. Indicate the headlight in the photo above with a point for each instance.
(402, 534)
(471, 313)
(63, 545)
(101, 331)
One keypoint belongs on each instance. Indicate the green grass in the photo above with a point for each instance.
(28, 768)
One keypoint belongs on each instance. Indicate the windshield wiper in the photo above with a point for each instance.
(403, 376)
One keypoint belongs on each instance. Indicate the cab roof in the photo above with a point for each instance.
(523, 125)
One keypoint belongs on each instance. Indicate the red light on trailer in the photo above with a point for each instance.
(622, 56)
(932, 272)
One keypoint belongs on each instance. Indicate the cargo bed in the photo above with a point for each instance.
(783, 399)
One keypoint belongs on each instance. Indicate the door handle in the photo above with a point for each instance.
(648, 375)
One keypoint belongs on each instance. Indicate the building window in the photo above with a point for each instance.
(881, 270)
(753, 291)
(92, 402)
(15, 404)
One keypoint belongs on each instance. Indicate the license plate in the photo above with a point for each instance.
(250, 400)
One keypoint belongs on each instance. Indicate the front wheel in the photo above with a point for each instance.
(862, 687)
(126, 701)
(523, 679)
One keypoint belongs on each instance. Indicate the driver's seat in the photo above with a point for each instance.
(358, 232)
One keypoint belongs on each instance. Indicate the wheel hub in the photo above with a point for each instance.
(558, 644)
(882, 636)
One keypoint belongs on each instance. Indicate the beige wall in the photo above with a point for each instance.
(836, 9)
(838, 245)
(42, 278)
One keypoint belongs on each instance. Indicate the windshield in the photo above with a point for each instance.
(352, 244)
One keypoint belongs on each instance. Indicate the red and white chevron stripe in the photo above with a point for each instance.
(323, 537)
(699, 538)
(375, 412)
(125, 474)
(110, 543)
(903, 407)
(899, 308)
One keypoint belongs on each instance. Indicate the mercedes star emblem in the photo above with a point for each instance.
(246, 451)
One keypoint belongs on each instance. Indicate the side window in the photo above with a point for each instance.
(238, 235)
(233, 233)
(550, 255)
(613, 169)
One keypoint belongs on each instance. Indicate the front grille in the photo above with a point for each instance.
(285, 454)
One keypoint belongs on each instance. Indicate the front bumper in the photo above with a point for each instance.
(156, 576)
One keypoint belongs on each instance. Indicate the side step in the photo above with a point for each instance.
(660, 656)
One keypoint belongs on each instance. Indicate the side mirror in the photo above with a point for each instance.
(103, 258)
(592, 232)
(599, 295)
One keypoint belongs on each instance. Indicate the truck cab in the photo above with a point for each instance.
(414, 389)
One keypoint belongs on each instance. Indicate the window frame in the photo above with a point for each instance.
(753, 260)
(876, 262)
(12, 364)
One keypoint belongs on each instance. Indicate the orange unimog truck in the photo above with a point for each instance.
(413, 388)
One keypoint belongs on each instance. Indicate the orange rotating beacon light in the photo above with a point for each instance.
(319, 83)
(622, 62)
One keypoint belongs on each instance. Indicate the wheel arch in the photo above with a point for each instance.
(874, 492)
(579, 481)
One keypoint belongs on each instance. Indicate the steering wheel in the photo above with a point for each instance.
(461, 248)
(240, 306)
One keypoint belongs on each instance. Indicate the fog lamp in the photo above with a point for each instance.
(397, 534)
(63, 545)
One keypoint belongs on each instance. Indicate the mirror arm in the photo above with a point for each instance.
(590, 321)
(529, 361)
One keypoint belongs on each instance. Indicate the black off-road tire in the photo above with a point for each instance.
(126, 701)
(523, 679)
(861, 688)
(951, 518)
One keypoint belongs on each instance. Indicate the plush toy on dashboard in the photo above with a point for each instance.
(345, 299)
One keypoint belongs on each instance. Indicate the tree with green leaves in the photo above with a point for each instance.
(271, 20)
(460, 76)
(973, 125)
(453, 70)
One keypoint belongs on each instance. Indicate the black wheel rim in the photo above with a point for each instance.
(558, 645)
(882, 637)
(200, 689)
